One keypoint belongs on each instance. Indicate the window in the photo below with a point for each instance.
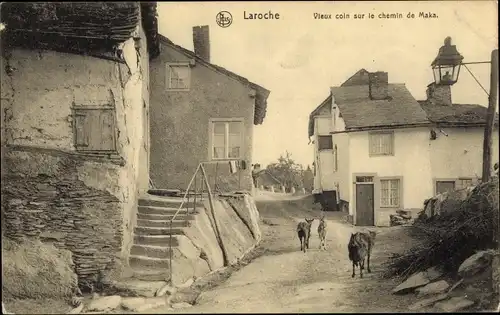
(325, 143)
(464, 183)
(227, 139)
(381, 143)
(389, 193)
(94, 128)
(178, 76)
(443, 186)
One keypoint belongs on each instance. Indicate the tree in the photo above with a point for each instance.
(289, 173)
(308, 179)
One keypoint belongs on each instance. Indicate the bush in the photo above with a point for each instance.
(33, 270)
(450, 238)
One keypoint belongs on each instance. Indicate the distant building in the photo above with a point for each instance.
(378, 149)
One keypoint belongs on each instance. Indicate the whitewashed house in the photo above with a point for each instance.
(377, 149)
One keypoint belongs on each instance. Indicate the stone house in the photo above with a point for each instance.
(379, 149)
(201, 112)
(75, 111)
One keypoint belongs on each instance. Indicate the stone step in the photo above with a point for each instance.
(164, 210)
(162, 223)
(157, 231)
(167, 202)
(138, 262)
(151, 251)
(165, 192)
(180, 216)
(150, 274)
(159, 240)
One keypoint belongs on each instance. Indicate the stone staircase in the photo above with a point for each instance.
(149, 255)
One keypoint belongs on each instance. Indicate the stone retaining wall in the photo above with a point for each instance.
(237, 220)
(45, 199)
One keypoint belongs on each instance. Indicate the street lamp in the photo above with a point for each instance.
(446, 66)
(449, 59)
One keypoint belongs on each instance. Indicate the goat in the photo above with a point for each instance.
(360, 247)
(304, 232)
(322, 227)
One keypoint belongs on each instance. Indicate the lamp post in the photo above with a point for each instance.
(446, 69)
(449, 59)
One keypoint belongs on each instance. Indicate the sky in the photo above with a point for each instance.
(299, 58)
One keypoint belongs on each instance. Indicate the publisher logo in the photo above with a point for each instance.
(224, 19)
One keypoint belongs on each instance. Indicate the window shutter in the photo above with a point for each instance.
(95, 129)
(81, 130)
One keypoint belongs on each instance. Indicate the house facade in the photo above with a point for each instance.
(75, 143)
(375, 148)
(201, 112)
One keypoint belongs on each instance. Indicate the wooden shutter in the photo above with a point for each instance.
(81, 130)
(95, 130)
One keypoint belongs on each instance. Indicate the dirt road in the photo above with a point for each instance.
(285, 279)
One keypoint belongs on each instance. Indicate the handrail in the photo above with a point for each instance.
(199, 168)
(175, 215)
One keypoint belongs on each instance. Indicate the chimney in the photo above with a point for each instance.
(201, 41)
(439, 94)
(377, 83)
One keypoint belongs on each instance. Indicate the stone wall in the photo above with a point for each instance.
(45, 198)
(204, 250)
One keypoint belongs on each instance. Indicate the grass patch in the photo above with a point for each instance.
(33, 270)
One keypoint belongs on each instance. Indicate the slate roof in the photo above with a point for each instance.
(464, 115)
(77, 27)
(261, 93)
(359, 111)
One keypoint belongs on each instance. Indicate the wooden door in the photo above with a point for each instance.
(365, 215)
(444, 186)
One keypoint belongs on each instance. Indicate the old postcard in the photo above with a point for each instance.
(249, 157)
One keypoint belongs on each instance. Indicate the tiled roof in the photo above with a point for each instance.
(262, 93)
(359, 111)
(456, 114)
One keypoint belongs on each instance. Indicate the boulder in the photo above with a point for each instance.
(181, 305)
(167, 289)
(433, 288)
(433, 273)
(186, 284)
(75, 310)
(476, 263)
(188, 295)
(139, 304)
(405, 214)
(427, 302)
(106, 303)
(140, 288)
(454, 304)
(417, 280)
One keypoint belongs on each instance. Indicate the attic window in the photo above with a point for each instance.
(178, 76)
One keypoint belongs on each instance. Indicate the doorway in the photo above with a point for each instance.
(365, 207)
